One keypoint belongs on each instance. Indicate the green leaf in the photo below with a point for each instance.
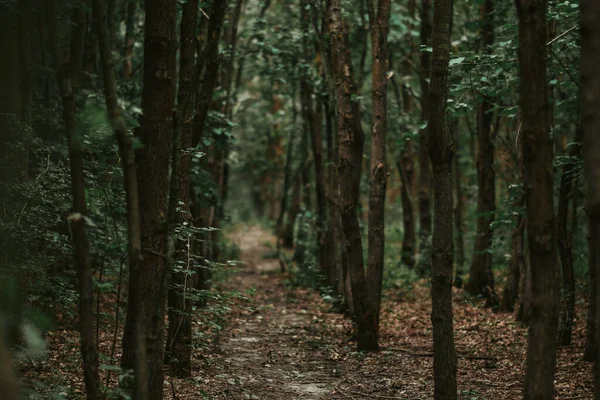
(456, 61)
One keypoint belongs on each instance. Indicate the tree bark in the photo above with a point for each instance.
(155, 133)
(313, 116)
(590, 123)
(424, 192)
(379, 28)
(538, 185)
(589, 353)
(351, 142)
(441, 151)
(481, 278)
(131, 192)
(67, 75)
(517, 260)
(179, 333)
(459, 209)
(564, 244)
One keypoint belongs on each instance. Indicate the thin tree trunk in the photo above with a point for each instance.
(564, 244)
(459, 208)
(517, 260)
(538, 185)
(211, 69)
(179, 334)
(351, 142)
(589, 353)
(590, 123)
(424, 192)
(441, 150)
(406, 164)
(379, 27)
(131, 193)
(155, 133)
(481, 278)
(67, 75)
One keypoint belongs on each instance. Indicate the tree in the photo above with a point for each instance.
(590, 123)
(351, 142)
(441, 151)
(178, 249)
(379, 28)
(67, 76)
(481, 278)
(564, 245)
(155, 133)
(131, 189)
(424, 192)
(537, 182)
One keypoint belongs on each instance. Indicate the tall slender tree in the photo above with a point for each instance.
(441, 151)
(538, 186)
(424, 191)
(350, 148)
(590, 125)
(379, 16)
(481, 278)
(179, 334)
(67, 74)
(131, 190)
(155, 133)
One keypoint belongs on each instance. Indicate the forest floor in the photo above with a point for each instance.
(283, 342)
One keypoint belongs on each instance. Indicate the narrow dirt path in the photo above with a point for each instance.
(271, 348)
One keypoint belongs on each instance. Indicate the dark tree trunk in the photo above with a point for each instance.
(313, 116)
(67, 75)
(459, 209)
(590, 123)
(351, 142)
(517, 260)
(155, 133)
(179, 333)
(481, 278)
(379, 27)
(538, 185)
(589, 353)
(210, 62)
(564, 243)
(131, 191)
(407, 164)
(424, 192)
(441, 150)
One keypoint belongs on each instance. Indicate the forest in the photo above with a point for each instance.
(299, 199)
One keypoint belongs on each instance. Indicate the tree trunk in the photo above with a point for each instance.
(459, 209)
(179, 333)
(131, 193)
(155, 133)
(313, 116)
(210, 62)
(517, 261)
(590, 122)
(351, 142)
(379, 27)
(481, 278)
(564, 244)
(537, 183)
(67, 75)
(590, 338)
(441, 151)
(424, 193)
